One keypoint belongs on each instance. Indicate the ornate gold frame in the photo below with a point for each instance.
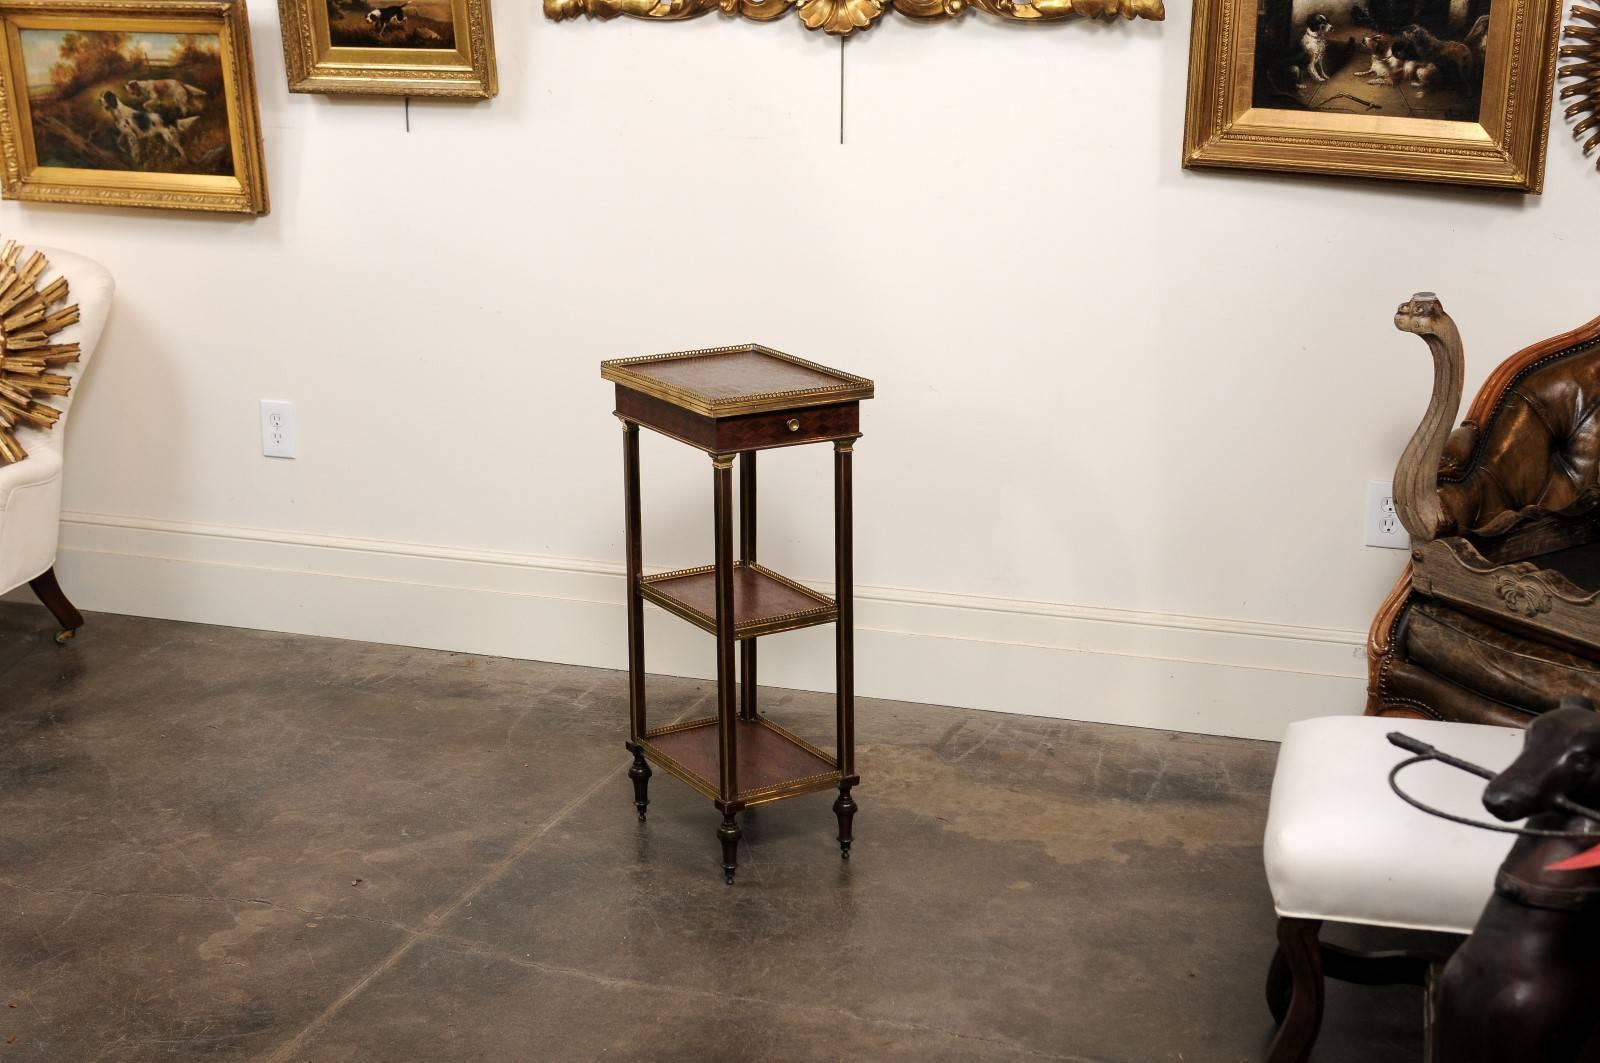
(1504, 149)
(315, 65)
(23, 178)
(842, 17)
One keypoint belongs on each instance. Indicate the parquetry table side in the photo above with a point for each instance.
(732, 402)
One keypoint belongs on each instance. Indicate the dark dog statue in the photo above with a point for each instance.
(1525, 987)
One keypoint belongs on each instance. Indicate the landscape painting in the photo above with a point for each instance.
(382, 24)
(1386, 58)
(128, 101)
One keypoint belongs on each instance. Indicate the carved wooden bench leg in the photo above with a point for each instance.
(50, 593)
(1295, 984)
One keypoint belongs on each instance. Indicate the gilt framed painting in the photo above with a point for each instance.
(1453, 91)
(389, 47)
(144, 103)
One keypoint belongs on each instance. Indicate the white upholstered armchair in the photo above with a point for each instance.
(30, 490)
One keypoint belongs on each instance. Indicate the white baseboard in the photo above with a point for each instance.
(1185, 673)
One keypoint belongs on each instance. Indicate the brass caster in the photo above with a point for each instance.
(64, 637)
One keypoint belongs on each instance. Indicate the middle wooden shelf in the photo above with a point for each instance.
(764, 602)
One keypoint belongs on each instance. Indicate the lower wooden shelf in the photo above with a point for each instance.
(764, 602)
(772, 762)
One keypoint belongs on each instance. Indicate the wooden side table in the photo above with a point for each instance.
(731, 401)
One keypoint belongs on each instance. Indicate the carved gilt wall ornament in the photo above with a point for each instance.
(1587, 71)
(29, 317)
(842, 17)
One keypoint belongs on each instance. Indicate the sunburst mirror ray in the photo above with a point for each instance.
(1585, 74)
(30, 316)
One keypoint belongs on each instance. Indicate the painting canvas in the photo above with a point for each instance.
(1447, 91)
(146, 103)
(381, 24)
(389, 47)
(1394, 58)
(118, 100)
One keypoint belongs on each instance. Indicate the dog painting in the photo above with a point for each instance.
(129, 101)
(436, 48)
(1384, 58)
(406, 24)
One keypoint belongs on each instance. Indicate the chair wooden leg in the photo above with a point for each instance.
(1280, 986)
(50, 593)
(1299, 964)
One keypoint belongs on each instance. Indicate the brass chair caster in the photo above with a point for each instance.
(64, 637)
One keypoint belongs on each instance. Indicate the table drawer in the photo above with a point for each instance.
(809, 424)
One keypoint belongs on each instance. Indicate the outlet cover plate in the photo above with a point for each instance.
(279, 437)
(1383, 527)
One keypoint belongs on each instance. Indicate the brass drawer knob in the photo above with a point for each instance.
(794, 425)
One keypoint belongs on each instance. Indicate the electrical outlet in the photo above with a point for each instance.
(1383, 523)
(278, 435)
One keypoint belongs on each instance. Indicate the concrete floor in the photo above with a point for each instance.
(228, 844)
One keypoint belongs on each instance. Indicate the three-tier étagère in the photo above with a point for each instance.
(731, 402)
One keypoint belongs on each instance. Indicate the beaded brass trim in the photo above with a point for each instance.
(824, 781)
(826, 758)
(686, 725)
(674, 768)
(850, 386)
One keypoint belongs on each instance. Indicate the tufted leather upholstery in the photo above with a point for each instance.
(1540, 449)
(1520, 478)
(30, 490)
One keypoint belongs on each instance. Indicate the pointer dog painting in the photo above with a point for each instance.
(145, 103)
(112, 100)
(387, 24)
(389, 47)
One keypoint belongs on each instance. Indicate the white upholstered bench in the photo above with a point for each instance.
(1341, 847)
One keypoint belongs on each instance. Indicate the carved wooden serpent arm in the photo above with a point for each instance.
(1416, 478)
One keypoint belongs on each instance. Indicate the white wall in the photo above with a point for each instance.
(1126, 413)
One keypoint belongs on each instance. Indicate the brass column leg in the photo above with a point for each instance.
(844, 594)
(747, 554)
(727, 694)
(633, 525)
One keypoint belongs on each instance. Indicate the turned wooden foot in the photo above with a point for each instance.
(640, 774)
(1296, 973)
(50, 593)
(845, 809)
(728, 834)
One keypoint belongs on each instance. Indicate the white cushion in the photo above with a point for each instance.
(1341, 846)
(30, 490)
(30, 515)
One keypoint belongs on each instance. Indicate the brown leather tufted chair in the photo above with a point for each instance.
(1497, 616)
